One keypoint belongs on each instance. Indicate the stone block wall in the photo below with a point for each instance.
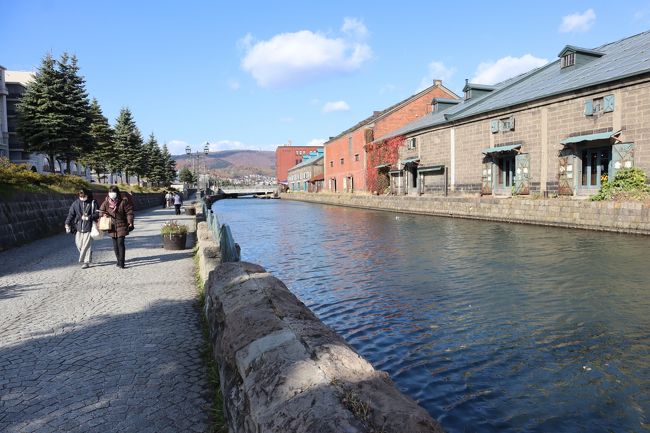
(26, 216)
(627, 217)
(282, 370)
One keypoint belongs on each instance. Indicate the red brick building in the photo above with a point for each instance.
(345, 157)
(288, 156)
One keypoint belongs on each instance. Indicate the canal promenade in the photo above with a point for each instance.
(101, 349)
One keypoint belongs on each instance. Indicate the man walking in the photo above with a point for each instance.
(178, 201)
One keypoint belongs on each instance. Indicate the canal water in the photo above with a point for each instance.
(491, 327)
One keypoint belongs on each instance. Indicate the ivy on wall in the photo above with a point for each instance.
(380, 153)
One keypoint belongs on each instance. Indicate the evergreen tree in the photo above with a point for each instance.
(40, 121)
(75, 111)
(170, 166)
(155, 169)
(100, 158)
(53, 114)
(139, 158)
(128, 145)
(186, 176)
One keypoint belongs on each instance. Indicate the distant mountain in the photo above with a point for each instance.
(233, 163)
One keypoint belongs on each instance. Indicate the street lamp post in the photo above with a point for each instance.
(197, 170)
(206, 151)
(188, 152)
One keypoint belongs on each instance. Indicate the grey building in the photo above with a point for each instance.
(308, 175)
(4, 128)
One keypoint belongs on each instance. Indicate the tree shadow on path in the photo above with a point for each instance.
(130, 372)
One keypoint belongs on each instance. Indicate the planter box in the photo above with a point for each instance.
(174, 242)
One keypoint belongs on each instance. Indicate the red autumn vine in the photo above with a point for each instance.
(380, 153)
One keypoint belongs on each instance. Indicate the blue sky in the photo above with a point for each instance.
(256, 74)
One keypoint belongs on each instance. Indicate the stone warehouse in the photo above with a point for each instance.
(307, 175)
(564, 128)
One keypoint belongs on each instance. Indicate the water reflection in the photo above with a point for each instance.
(491, 327)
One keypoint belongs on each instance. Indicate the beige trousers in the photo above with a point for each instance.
(84, 244)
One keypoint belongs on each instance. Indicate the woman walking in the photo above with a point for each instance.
(82, 215)
(121, 212)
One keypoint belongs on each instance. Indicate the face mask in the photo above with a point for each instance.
(112, 195)
(83, 198)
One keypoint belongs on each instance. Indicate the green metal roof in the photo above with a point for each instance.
(383, 166)
(588, 137)
(431, 168)
(501, 149)
(409, 160)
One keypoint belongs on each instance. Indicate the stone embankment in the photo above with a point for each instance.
(282, 370)
(625, 217)
(25, 217)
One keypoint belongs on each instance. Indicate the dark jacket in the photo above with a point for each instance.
(79, 208)
(122, 217)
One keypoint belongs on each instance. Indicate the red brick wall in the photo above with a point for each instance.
(286, 157)
(409, 112)
(337, 149)
(340, 149)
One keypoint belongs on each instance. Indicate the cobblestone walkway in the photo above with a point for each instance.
(101, 349)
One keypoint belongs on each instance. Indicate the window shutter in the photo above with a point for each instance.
(608, 102)
(622, 157)
(522, 173)
(494, 126)
(589, 108)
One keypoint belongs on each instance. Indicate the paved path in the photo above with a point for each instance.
(101, 349)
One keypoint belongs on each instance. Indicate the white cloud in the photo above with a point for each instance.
(233, 84)
(436, 71)
(227, 145)
(333, 106)
(316, 142)
(287, 120)
(580, 22)
(504, 68)
(355, 28)
(176, 147)
(294, 58)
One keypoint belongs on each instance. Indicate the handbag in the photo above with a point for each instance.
(104, 223)
(95, 233)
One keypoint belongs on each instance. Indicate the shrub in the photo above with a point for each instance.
(17, 174)
(628, 184)
(21, 177)
(173, 228)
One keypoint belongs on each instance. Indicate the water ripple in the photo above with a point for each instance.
(491, 327)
